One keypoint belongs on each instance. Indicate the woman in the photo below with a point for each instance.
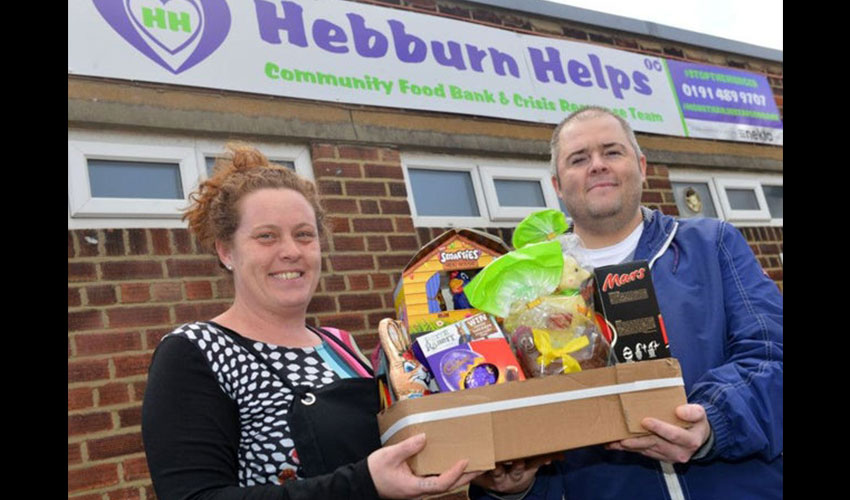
(254, 403)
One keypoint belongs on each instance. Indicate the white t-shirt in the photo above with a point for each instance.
(614, 254)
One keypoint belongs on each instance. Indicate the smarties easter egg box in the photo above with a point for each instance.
(525, 418)
(429, 294)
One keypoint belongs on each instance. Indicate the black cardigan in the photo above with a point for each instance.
(190, 429)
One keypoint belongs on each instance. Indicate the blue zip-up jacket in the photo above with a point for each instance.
(723, 317)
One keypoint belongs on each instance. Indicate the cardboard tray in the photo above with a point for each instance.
(531, 417)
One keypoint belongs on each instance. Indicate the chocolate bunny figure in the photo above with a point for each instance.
(408, 377)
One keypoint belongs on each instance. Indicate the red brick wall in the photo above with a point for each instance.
(657, 190)
(364, 194)
(766, 243)
(126, 289)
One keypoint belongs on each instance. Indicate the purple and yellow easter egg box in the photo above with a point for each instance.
(470, 353)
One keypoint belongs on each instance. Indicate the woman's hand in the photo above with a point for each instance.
(394, 479)
(514, 476)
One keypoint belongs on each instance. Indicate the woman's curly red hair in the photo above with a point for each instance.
(213, 213)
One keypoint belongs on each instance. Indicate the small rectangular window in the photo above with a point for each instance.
(210, 164)
(515, 189)
(135, 179)
(742, 199)
(773, 195)
(123, 176)
(443, 192)
(519, 193)
(210, 161)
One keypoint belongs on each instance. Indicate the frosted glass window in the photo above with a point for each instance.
(773, 195)
(210, 164)
(135, 179)
(693, 199)
(210, 160)
(513, 193)
(443, 192)
(742, 199)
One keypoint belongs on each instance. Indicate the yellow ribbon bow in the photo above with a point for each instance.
(543, 343)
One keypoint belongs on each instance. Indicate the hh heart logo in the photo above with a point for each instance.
(176, 34)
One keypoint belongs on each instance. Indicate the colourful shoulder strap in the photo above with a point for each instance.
(348, 352)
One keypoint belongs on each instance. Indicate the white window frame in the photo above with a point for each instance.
(276, 153)
(87, 212)
(449, 163)
(718, 181)
(734, 215)
(84, 205)
(772, 181)
(483, 172)
(490, 173)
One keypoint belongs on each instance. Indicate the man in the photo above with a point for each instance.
(724, 321)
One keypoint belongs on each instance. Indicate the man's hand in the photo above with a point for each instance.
(514, 476)
(394, 479)
(668, 442)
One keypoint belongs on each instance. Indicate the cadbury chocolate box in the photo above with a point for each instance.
(627, 312)
(470, 353)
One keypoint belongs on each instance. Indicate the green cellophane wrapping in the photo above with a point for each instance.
(538, 227)
(552, 331)
(520, 276)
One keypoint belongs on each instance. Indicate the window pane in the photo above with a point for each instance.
(443, 192)
(742, 199)
(693, 199)
(773, 194)
(135, 179)
(211, 164)
(514, 193)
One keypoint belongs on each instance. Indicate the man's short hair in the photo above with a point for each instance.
(588, 112)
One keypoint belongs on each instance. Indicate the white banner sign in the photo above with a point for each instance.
(347, 52)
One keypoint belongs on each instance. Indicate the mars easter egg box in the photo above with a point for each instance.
(627, 312)
(470, 353)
